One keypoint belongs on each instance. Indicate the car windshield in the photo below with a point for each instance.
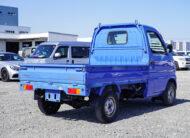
(178, 54)
(10, 57)
(43, 51)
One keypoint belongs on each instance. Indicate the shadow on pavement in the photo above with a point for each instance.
(10, 81)
(127, 109)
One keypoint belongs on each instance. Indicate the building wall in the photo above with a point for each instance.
(87, 39)
(179, 46)
(61, 37)
(187, 46)
(8, 16)
(14, 29)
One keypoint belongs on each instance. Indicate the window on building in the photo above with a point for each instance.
(11, 13)
(23, 32)
(1, 12)
(26, 44)
(38, 43)
(10, 31)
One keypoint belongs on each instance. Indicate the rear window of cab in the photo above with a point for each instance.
(117, 38)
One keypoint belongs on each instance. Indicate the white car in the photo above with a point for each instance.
(182, 61)
(61, 52)
(9, 66)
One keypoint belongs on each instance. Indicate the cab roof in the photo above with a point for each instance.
(123, 25)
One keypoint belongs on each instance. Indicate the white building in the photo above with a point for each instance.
(13, 37)
(85, 39)
(15, 42)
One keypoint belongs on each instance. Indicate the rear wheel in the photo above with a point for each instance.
(47, 107)
(169, 95)
(107, 108)
(4, 75)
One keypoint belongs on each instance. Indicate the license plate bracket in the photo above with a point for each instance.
(52, 95)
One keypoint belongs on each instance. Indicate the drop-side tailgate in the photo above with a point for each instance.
(56, 73)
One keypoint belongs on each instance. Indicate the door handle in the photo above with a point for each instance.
(152, 62)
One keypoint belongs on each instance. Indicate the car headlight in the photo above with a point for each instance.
(14, 68)
(182, 59)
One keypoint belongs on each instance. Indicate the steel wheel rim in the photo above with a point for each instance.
(171, 95)
(110, 106)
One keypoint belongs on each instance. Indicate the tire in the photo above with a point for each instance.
(169, 95)
(107, 109)
(5, 75)
(177, 65)
(47, 107)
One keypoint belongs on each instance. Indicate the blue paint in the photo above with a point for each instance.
(115, 65)
(53, 95)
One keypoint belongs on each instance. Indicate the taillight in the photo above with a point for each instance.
(73, 91)
(28, 87)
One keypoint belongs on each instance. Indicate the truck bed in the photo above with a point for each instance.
(52, 76)
(56, 73)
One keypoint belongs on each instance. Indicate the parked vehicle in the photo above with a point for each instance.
(126, 61)
(61, 52)
(27, 52)
(182, 61)
(9, 66)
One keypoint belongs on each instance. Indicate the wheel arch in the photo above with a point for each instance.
(113, 87)
(98, 91)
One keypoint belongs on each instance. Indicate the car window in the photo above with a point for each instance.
(174, 54)
(10, 57)
(155, 43)
(63, 50)
(1, 57)
(117, 38)
(80, 52)
(43, 51)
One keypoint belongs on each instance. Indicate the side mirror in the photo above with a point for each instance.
(57, 55)
(170, 48)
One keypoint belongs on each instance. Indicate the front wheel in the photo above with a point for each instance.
(47, 107)
(169, 95)
(107, 108)
(5, 75)
(177, 65)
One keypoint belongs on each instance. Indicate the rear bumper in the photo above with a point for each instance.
(56, 86)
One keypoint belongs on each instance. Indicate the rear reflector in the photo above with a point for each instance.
(73, 91)
(28, 87)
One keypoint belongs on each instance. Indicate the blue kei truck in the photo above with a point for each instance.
(125, 61)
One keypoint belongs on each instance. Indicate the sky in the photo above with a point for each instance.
(170, 17)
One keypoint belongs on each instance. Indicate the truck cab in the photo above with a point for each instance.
(126, 61)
